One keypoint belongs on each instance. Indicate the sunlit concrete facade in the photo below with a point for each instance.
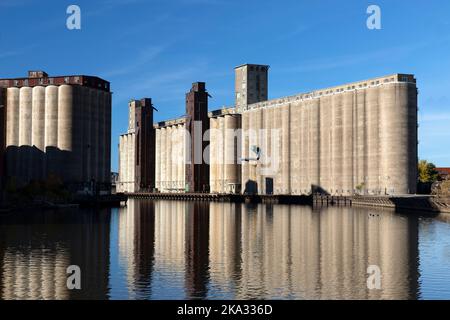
(171, 148)
(58, 126)
(357, 138)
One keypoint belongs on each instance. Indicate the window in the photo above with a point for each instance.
(66, 80)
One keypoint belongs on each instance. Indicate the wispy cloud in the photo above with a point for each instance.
(145, 56)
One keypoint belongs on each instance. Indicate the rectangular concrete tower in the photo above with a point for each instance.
(145, 145)
(197, 123)
(251, 84)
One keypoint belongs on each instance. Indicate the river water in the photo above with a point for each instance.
(200, 250)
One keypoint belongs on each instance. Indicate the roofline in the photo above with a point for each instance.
(252, 64)
(68, 75)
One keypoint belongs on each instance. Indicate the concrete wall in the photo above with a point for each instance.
(359, 140)
(58, 130)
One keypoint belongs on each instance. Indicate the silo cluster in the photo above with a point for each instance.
(171, 148)
(225, 159)
(357, 138)
(61, 131)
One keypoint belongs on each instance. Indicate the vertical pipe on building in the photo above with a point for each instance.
(244, 151)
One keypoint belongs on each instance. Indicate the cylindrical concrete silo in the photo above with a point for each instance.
(94, 134)
(158, 159)
(325, 143)
(25, 117)
(169, 156)
(107, 140)
(12, 131)
(397, 128)
(231, 166)
(181, 163)
(315, 142)
(65, 131)
(85, 134)
(51, 131)
(245, 151)
(277, 150)
(38, 133)
(101, 137)
(213, 155)
(286, 152)
(164, 159)
(336, 144)
(347, 142)
(372, 155)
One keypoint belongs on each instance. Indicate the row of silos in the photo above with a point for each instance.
(170, 162)
(60, 130)
(356, 141)
(127, 160)
(225, 154)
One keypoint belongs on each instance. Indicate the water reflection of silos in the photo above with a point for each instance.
(224, 244)
(295, 252)
(136, 245)
(196, 249)
(38, 252)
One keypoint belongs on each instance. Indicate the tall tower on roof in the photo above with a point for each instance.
(251, 84)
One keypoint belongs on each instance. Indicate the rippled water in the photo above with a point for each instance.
(189, 250)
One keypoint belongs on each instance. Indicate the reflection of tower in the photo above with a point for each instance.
(136, 245)
(196, 249)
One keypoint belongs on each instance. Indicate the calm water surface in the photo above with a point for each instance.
(189, 250)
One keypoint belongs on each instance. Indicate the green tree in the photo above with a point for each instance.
(427, 172)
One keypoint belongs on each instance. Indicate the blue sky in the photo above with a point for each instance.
(157, 48)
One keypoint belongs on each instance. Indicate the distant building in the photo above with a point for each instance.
(56, 126)
(137, 149)
(444, 173)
